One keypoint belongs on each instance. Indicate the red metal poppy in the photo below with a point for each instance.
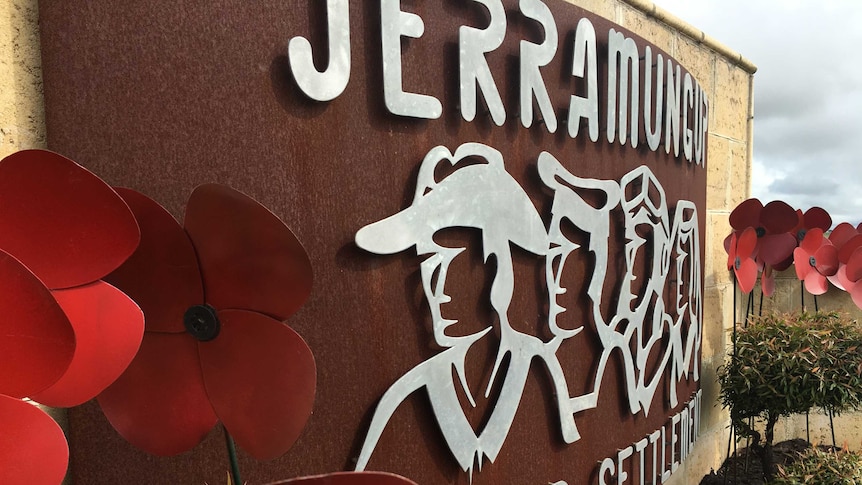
(349, 478)
(740, 258)
(854, 288)
(815, 259)
(65, 334)
(815, 217)
(215, 347)
(842, 234)
(853, 268)
(774, 225)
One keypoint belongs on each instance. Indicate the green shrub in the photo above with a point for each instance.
(817, 467)
(788, 364)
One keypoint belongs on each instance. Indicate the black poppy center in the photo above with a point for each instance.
(737, 262)
(202, 322)
(760, 231)
(812, 261)
(801, 234)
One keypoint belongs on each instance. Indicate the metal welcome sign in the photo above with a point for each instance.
(503, 202)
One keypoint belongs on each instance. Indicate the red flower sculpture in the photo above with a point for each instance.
(215, 347)
(66, 334)
(815, 259)
(815, 217)
(773, 224)
(846, 240)
(740, 258)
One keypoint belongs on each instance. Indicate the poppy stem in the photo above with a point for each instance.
(236, 478)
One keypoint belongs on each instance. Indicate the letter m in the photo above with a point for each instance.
(622, 60)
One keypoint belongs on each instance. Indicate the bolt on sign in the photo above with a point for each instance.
(503, 203)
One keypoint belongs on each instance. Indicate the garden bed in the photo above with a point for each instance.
(744, 468)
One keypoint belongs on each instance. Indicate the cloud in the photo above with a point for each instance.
(808, 94)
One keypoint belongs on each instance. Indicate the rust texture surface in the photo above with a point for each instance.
(164, 96)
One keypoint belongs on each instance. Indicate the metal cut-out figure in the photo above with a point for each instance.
(486, 197)
(641, 318)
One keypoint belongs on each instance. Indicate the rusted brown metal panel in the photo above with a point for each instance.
(164, 96)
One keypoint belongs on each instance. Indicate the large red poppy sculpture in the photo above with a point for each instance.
(65, 335)
(774, 225)
(215, 294)
(820, 255)
(740, 258)
(815, 259)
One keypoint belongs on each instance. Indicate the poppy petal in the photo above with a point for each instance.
(826, 260)
(854, 266)
(730, 248)
(800, 224)
(856, 294)
(349, 478)
(819, 218)
(746, 243)
(61, 221)
(841, 234)
(812, 242)
(778, 217)
(249, 259)
(784, 264)
(33, 448)
(849, 247)
(775, 248)
(815, 283)
(159, 404)
(38, 341)
(746, 275)
(162, 275)
(260, 376)
(746, 214)
(108, 331)
(802, 263)
(839, 279)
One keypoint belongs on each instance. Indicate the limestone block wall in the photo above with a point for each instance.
(728, 78)
(22, 113)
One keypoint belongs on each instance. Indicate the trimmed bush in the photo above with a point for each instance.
(791, 363)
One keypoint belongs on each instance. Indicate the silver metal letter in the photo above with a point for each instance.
(625, 50)
(653, 128)
(704, 126)
(474, 71)
(328, 84)
(687, 105)
(534, 56)
(584, 66)
(394, 25)
(671, 127)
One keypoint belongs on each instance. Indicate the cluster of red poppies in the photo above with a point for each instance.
(773, 237)
(171, 328)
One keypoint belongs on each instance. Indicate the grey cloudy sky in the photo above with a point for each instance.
(808, 94)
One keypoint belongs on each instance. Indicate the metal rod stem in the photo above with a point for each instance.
(236, 478)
